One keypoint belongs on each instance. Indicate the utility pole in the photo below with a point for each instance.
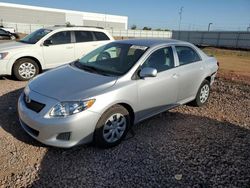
(209, 26)
(180, 14)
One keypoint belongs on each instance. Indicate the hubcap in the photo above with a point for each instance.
(114, 128)
(204, 93)
(27, 70)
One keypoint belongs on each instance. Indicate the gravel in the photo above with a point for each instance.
(185, 147)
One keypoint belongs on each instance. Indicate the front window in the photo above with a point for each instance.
(62, 37)
(35, 36)
(113, 59)
(161, 60)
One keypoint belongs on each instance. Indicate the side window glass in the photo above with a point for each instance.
(161, 59)
(2, 31)
(187, 55)
(61, 38)
(83, 36)
(101, 36)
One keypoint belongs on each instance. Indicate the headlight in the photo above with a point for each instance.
(69, 108)
(3, 55)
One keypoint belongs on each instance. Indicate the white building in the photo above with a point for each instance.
(23, 14)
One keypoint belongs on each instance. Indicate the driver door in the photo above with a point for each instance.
(60, 51)
(157, 94)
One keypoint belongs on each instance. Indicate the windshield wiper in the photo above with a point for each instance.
(91, 69)
(26, 42)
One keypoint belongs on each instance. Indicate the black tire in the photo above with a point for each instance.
(197, 102)
(12, 37)
(25, 62)
(99, 139)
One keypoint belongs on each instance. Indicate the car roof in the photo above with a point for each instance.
(151, 42)
(70, 28)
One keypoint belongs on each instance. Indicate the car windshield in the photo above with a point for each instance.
(35, 36)
(113, 59)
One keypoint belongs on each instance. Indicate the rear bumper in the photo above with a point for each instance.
(213, 78)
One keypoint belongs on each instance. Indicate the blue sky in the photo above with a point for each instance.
(224, 14)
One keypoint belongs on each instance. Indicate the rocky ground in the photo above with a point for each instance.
(185, 147)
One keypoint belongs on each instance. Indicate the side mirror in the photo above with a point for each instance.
(47, 42)
(148, 72)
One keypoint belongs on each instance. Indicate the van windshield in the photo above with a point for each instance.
(114, 59)
(35, 36)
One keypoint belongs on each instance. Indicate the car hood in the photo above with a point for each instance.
(67, 83)
(12, 45)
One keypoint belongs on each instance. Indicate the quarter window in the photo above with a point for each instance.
(83, 36)
(101, 36)
(161, 59)
(61, 38)
(187, 55)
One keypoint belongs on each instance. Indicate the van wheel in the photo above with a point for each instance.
(112, 127)
(202, 95)
(25, 69)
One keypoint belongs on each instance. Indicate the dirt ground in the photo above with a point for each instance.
(185, 147)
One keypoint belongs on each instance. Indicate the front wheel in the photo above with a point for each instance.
(12, 37)
(202, 95)
(25, 69)
(112, 127)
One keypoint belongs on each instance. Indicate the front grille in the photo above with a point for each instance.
(30, 130)
(64, 136)
(33, 105)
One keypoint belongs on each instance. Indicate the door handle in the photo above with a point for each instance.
(175, 76)
(69, 47)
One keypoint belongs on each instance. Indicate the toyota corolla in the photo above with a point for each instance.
(100, 96)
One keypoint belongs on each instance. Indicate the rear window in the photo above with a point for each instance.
(101, 36)
(187, 55)
(83, 36)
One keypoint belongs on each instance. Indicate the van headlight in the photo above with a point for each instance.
(3, 55)
(69, 108)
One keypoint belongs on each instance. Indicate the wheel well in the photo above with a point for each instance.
(34, 59)
(130, 110)
(208, 78)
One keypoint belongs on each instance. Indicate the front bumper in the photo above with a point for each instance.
(79, 127)
(3, 67)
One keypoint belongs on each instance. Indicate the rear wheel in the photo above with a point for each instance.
(202, 95)
(112, 127)
(25, 69)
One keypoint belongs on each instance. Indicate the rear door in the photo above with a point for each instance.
(190, 70)
(61, 50)
(158, 93)
(86, 41)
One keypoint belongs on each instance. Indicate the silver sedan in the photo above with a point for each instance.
(100, 96)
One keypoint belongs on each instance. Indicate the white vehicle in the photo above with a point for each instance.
(48, 48)
(9, 29)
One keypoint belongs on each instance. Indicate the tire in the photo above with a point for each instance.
(12, 37)
(110, 131)
(202, 94)
(25, 69)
